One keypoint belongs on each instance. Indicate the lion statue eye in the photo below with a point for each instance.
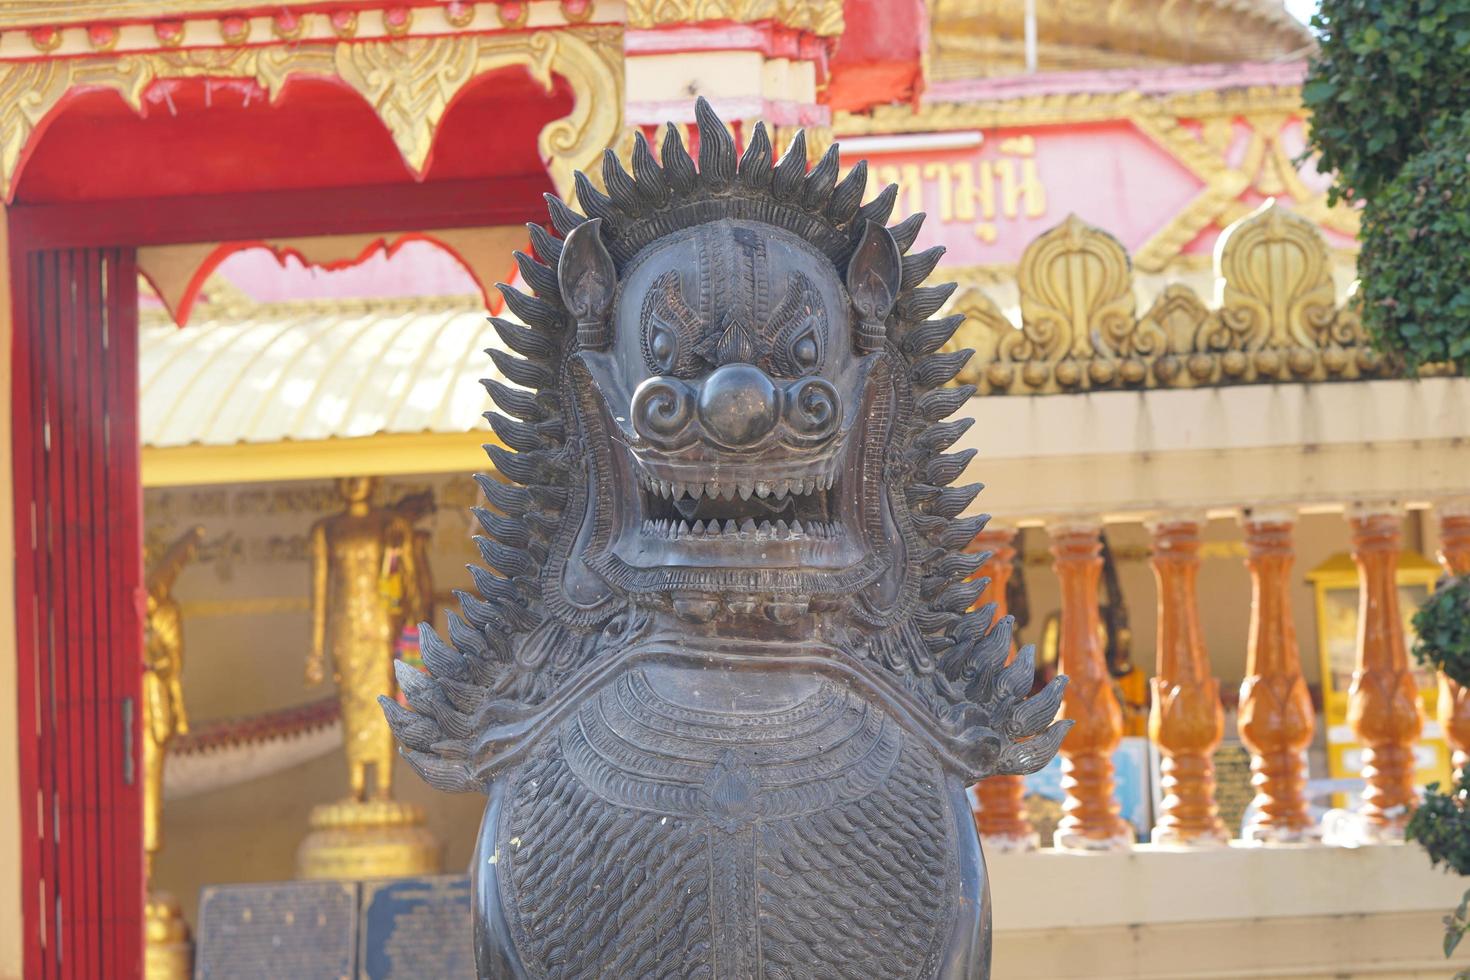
(805, 349)
(663, 345)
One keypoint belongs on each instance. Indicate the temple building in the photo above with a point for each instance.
(250, 251)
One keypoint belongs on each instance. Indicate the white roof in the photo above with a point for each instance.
(311, 370)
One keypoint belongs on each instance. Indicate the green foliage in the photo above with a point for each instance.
(1441, 825)
(1386, 70)
(1443, 628)
(1415, 260)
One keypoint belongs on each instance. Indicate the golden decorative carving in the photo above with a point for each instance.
(1277, 281)
(409, 82)
(168, 952)
(1076, 290)
(971, 38)
(591, 60)
(355, 840)
(1277, 319)
(821, 17)
(234, 30)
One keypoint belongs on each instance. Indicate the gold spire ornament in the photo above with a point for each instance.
(169, 951)
(365, 581)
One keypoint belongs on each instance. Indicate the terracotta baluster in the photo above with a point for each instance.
(1185, 721)
(1383, 701)
(1000, 816)
(1276, 715)
(1454, 699)
(1090, 818)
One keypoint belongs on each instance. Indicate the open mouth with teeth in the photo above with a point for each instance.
(786, 509)
(781, 530)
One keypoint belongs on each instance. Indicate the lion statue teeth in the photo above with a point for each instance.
(724, 689)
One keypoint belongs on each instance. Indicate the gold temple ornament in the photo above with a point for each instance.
(366, 580)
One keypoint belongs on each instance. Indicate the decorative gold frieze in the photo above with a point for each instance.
(1195, 128)
(1276, 319)
(409, 82)
(822, 17)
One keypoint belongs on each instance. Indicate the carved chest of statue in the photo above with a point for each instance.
(725, 693)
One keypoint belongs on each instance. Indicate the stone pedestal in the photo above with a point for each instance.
(356, 840)
(168, 951)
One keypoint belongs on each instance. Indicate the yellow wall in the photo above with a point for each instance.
(10, 928)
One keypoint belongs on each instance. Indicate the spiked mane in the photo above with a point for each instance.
(519, 640)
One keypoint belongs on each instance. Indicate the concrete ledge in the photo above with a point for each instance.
(1237, 912)
(1123, 454)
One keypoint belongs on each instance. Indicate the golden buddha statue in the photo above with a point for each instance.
(365, 580)
(169, 951)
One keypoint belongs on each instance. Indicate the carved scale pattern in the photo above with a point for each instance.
(647, 837)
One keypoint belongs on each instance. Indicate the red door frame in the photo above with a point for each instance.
(73, 244)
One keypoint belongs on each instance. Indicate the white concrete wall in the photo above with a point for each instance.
(1236, 913)
(1124, 455)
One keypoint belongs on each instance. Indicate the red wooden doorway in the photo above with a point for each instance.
(78, 506)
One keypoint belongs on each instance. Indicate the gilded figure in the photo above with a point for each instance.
(365, 580)
(164, 715)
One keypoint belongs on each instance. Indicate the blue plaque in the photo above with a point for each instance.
(305, 930)
(416, 927)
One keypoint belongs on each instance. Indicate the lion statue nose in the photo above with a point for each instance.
(738, 405)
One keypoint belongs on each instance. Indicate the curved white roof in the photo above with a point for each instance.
(312, 370)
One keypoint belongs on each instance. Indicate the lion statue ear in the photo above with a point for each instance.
(874, 278)
(589, 280)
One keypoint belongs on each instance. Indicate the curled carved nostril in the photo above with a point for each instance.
(662, 409)
(738, 405)
(813, 408)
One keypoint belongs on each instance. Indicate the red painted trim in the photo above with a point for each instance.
(282, 214)
(387, 244)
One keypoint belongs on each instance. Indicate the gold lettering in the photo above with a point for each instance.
(964, 191)
(1027, 187)
(939, 173)
(986, 190)
(915, 185)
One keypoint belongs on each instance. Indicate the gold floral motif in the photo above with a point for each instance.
(409, 82)
(821, 17)
(1277, 280)
(1076, 291)
(1277, 319)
